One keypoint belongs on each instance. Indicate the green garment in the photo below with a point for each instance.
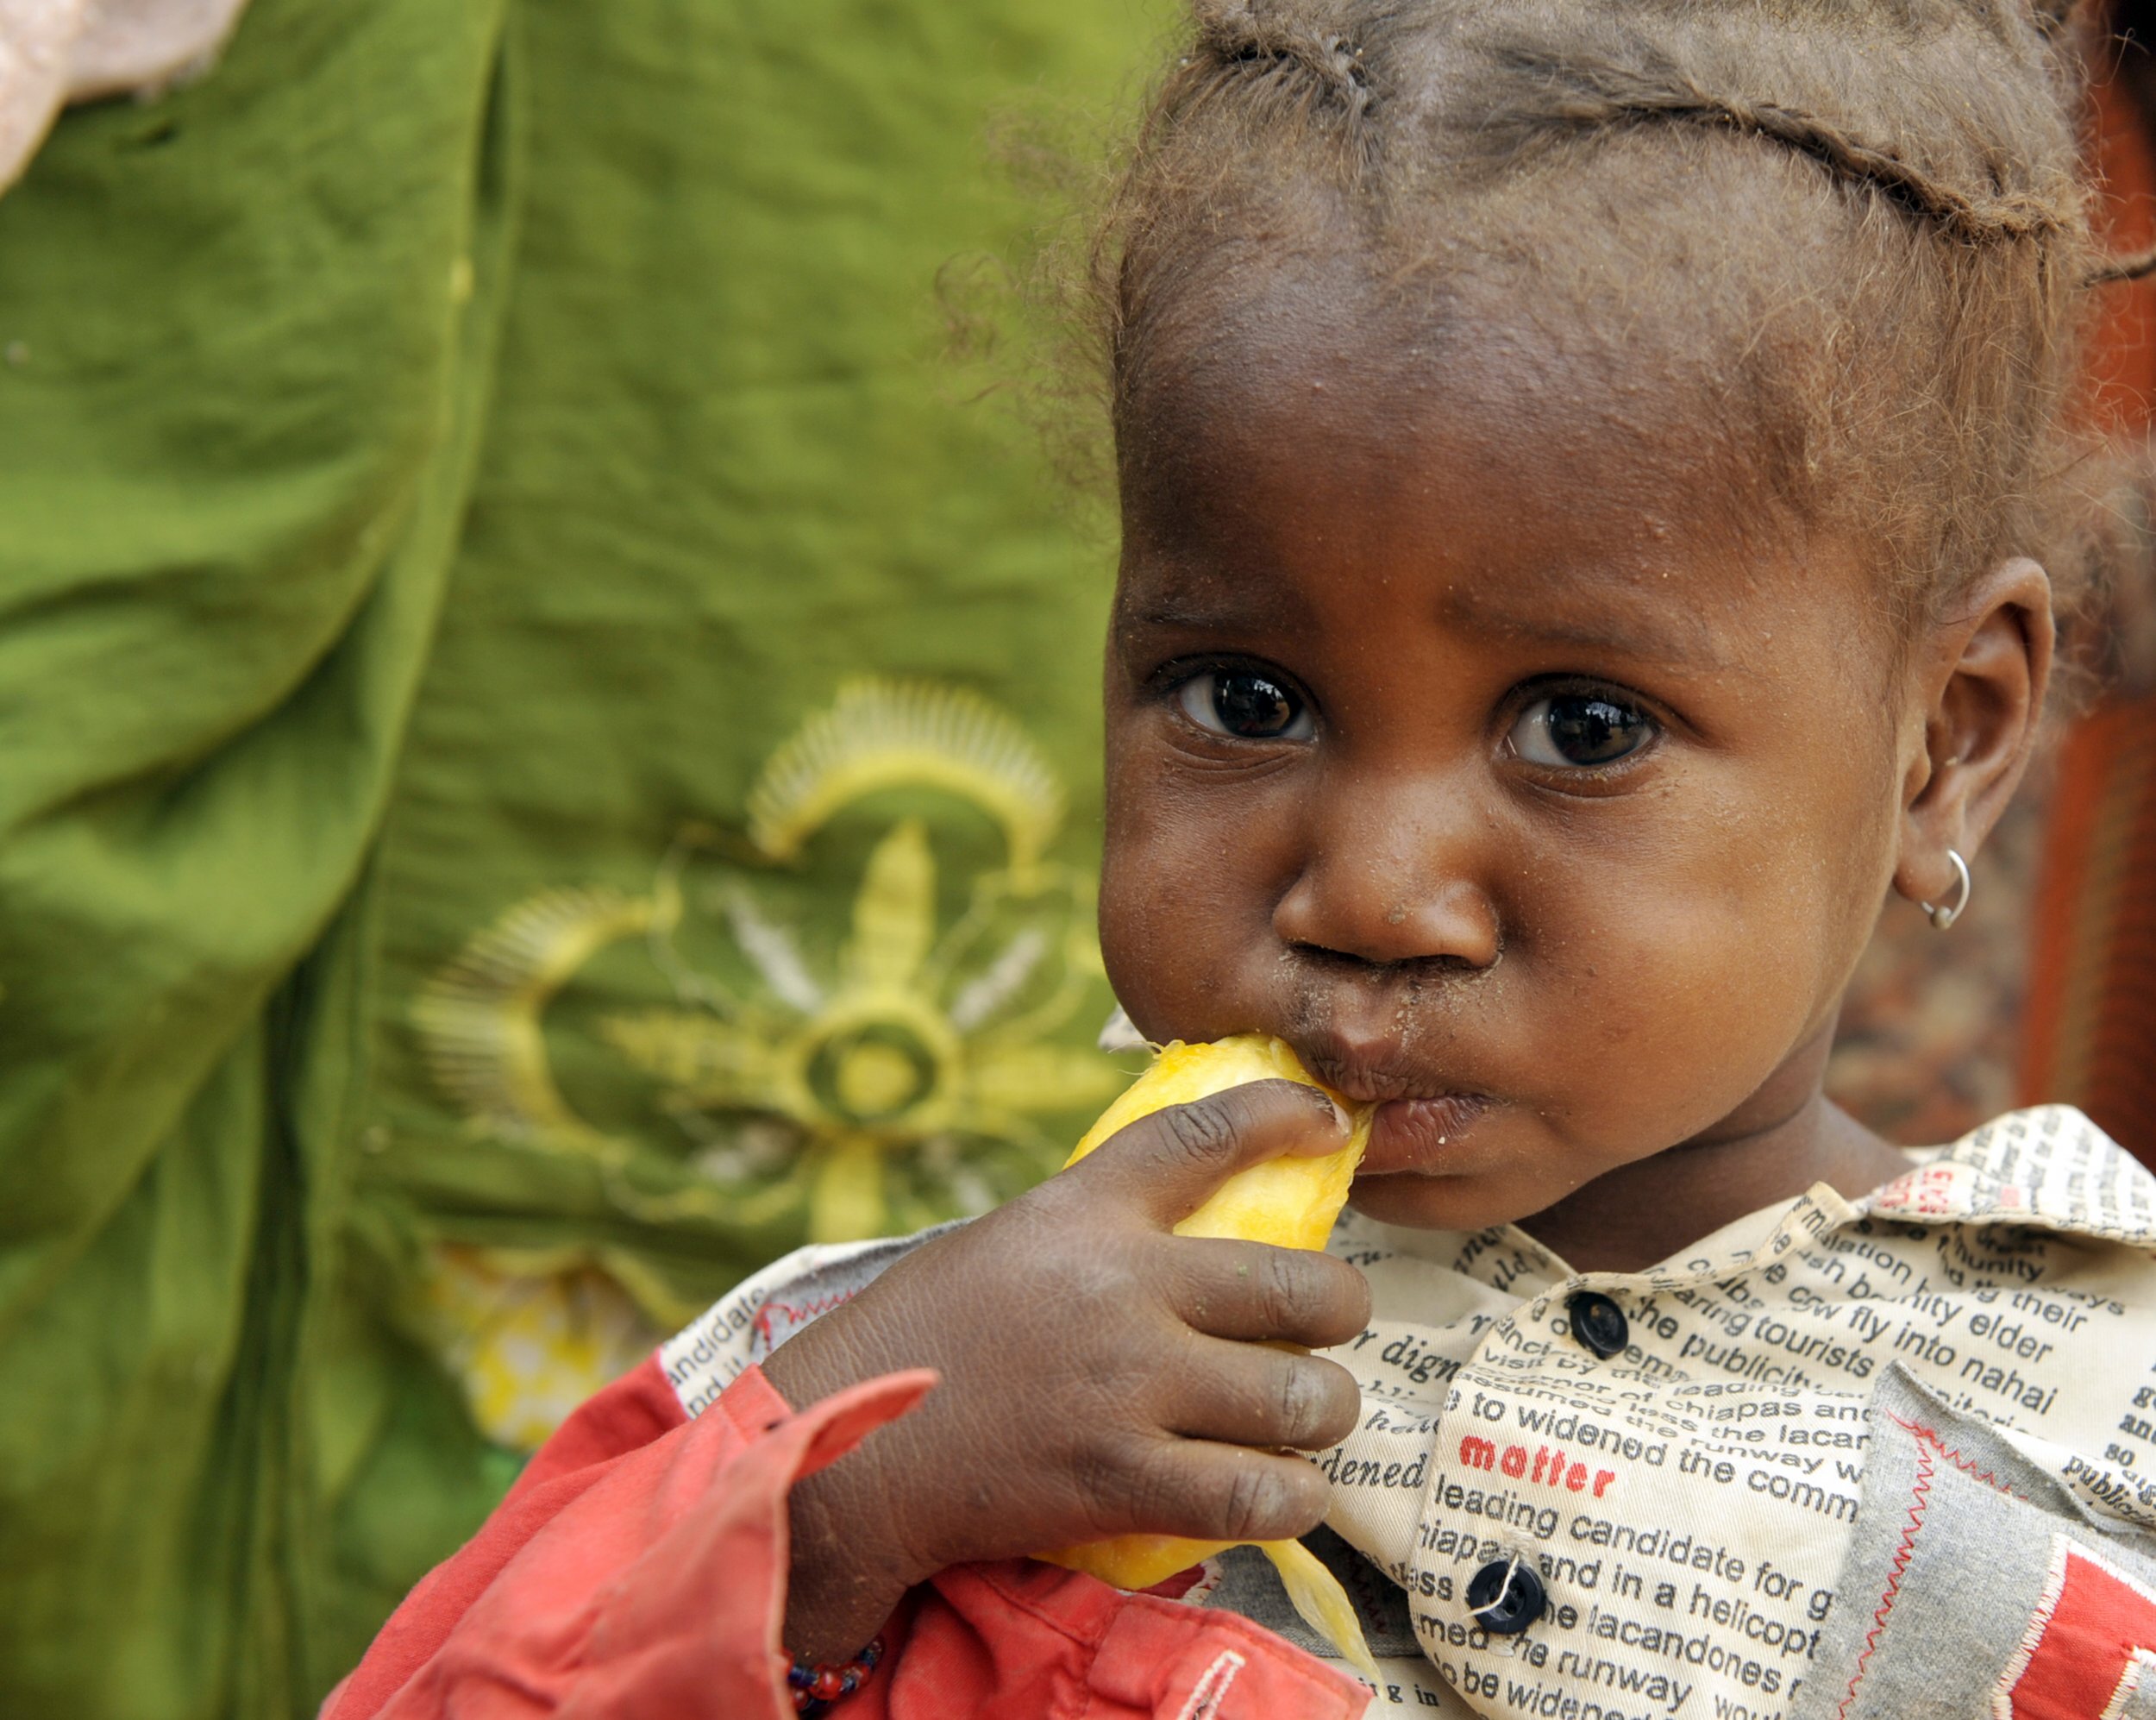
(459, 903)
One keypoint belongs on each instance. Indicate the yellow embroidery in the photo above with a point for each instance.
(919, 1036)
(479, 1019)
(878, 734)
(802, 1078)
(531, 1344)
(884, 1060)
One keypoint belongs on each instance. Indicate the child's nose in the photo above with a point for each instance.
(1388, 886)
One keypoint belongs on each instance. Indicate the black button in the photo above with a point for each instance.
(1506, 1597)
(1598, 1323)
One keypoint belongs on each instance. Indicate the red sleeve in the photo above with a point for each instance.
(638, 1566)
(632, 1412)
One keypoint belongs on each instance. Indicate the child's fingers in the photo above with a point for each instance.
(1205, 1491)
(1254, 1395)
(1255, 1290)
(1166, 1164)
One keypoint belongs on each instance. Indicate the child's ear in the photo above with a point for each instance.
(1979, 676)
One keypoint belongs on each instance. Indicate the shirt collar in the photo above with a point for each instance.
(2049, 1168)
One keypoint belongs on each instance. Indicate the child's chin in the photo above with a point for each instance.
(1431, 1201)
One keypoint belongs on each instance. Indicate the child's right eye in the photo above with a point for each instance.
(1246, 704)
(1579, 731)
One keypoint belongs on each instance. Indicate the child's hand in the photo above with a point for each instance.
(1092, 1385)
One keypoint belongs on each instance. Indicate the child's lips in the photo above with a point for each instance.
(1420, 1134)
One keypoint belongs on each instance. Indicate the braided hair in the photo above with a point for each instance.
(1870, 213)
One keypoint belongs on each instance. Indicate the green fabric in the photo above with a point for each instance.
(444, 455)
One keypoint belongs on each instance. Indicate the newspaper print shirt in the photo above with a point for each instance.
(1676, 1456)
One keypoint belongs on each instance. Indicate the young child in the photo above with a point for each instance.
(1582, 470)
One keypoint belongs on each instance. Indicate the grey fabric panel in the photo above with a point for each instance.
(1960, 1545)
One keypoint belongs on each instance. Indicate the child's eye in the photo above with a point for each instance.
(1579, 729)
(1245, 704)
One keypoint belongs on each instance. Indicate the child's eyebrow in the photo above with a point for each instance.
(1679, 635)
(1229, 612)
(1682, 640)
(1657, 644)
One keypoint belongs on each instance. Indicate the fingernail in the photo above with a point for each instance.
(1341, 1122)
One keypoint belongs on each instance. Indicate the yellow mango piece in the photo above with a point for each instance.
(1288, 1202)
(1323, 1604)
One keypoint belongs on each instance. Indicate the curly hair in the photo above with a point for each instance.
(1863, 225)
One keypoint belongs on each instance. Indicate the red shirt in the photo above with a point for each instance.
(638, 1569)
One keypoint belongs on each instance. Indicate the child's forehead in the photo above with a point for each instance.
(1594, 611)
(1306, 380)
(1620, 311)
(1317, 453)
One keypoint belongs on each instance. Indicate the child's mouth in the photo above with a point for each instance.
(1411, 1129)
(1420, 1134)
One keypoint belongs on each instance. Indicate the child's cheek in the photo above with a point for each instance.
(1186, 890)
(1668, 1012)
(1150, 944)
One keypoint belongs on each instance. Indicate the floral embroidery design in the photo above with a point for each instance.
(806, 1065)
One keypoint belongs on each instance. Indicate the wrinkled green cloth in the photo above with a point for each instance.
(446, 456)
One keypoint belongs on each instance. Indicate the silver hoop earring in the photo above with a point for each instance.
(1944, 917)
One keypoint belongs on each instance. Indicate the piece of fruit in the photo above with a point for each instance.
(1290, 1202)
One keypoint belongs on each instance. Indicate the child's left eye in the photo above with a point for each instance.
(1576, 730)
(1246, 704)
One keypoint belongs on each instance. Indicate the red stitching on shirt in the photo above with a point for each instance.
(1920, 1503)
(1967, 1465)
(797, 1312)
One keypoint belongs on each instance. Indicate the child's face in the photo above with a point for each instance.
(1468, 730)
